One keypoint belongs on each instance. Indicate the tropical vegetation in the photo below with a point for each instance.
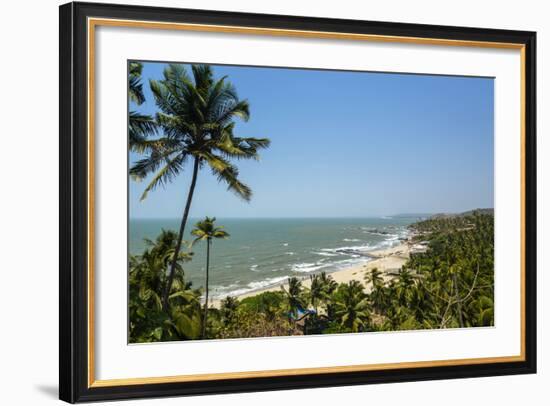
(196, 116)
(206, 230)
(450, 285)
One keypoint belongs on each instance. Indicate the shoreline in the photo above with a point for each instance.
(388, 260)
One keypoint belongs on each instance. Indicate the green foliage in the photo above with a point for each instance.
(269, 303)
(296, 298)
(141, 126)
(135, 87)
(450, 285)
(351, 307)
(228, 308)
(206, 230)
(147, 278)
(196, 115)
(262, 315)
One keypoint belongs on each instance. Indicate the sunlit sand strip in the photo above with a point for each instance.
(389, 261)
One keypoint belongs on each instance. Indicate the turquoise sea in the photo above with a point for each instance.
(262, 252)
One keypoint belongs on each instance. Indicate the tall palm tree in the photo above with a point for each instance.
(147, 277)
(206, 230)
(352, 307)
(405, 282)
(197, 119)
(329, 285)
(377, 294)
(228, 307)
(374, 277)
(316, 293)
(294, 295)
(140, 126)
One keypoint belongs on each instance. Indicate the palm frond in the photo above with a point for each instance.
(204, 78)
(216, 163)
(230, 109)
(230, 176)
(207, 230)
(165, 99)
(157, 145)
(135, 87)
(151, 162)
(255, 143)
(172, 168)
(141, 126)
(175, 126)
(239, 147)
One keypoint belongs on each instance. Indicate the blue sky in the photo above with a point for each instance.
(345, 144)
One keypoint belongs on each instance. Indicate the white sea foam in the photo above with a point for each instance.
(322, 259)
(345, 263)
(307, 266)
(329, 266)
(351, 248)
(236, 290)
(266, 282)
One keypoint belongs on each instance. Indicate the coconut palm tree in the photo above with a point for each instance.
(228, 307)
(196, 115)
(316, 292)
(328, 283)
(140, 126)
(405, 282)
(352, 307)
(377, 295)
(135, 87)
(206, 230)
(147, 277)
(374, 277)
(294, 295)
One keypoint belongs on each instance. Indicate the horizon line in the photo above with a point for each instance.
(412, 214)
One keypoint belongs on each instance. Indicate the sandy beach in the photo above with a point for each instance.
(389, 261)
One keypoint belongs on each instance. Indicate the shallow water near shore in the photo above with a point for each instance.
(262, 252)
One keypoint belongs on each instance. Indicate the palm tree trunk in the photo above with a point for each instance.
(205, 317)
(168, 286)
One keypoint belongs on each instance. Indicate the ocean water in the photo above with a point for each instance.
(265, 252)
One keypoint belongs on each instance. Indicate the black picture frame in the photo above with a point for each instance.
(73, 284)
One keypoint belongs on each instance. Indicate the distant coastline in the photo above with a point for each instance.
(263, 253)
(388, 261)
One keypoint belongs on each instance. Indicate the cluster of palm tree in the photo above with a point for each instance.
(147, 279)
(195, 123)
(450, 285)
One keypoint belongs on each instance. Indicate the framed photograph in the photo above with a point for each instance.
(256, 202)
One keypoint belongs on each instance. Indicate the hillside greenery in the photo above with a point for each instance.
(451, 285)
